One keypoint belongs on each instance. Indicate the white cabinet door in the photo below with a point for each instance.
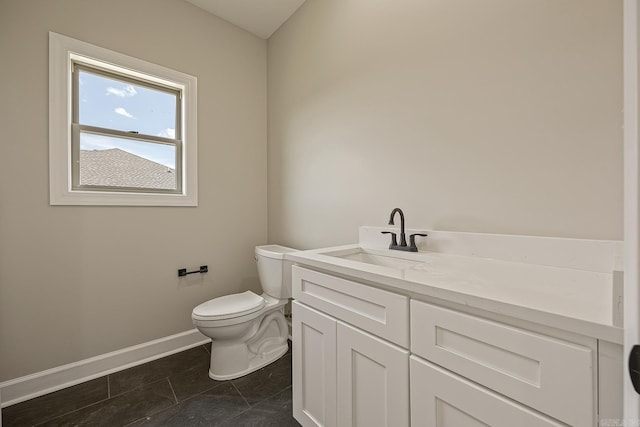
(373, 381)
(440, 398)
(314, 367)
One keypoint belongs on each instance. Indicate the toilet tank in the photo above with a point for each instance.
(274, 270)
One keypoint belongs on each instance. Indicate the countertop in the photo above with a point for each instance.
(569, 299)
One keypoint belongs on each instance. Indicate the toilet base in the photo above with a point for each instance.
(264, 342)
(256, 362)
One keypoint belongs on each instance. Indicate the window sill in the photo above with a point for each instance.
(94, 198)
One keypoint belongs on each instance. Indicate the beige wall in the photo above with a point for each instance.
(76, 282)
(493, 116)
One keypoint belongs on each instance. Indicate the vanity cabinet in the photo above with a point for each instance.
(364, 356)
(342, 375)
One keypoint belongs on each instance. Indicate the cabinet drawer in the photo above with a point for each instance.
(553, 376)
(442, 399)
(382, 313)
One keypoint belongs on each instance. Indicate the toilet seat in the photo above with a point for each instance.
(229, 306)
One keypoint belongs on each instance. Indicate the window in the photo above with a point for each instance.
(122, 131)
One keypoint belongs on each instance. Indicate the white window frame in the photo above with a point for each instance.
(63, 51)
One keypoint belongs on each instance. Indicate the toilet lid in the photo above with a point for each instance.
(229, 306)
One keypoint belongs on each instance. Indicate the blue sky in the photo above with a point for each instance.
(114, 104)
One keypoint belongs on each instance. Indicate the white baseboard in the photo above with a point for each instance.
(41, 383)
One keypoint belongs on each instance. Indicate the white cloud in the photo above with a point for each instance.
(123, 112)
(168, 133)
(128, 90)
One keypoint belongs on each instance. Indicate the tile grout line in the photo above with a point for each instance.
(71, 412)
(241, 395)
(149, 416)
(76, 409)
(172, 390)
(109, 398)
(206, 348)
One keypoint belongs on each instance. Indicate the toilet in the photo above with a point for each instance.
(249, 331)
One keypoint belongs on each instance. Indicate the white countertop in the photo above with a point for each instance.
(570, 299)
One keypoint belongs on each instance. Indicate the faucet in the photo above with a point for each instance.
(403, 240)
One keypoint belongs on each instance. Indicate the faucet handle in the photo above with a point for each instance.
(412, 241)
(394, 242)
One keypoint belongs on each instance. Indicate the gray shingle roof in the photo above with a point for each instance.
(118, 168)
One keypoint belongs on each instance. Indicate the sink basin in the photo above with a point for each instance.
(387, 258)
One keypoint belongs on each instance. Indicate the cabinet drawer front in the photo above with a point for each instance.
(442, 399)
(380, 312)
(553, 376)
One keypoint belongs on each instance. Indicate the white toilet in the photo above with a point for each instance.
(249, 331)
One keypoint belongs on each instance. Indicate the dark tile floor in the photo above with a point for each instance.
(173, 391)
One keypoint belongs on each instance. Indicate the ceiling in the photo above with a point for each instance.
(260, 17)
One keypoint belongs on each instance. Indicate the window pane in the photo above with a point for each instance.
(119, 162)
(115, 104)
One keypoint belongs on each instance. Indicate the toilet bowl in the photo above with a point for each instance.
(249, 331)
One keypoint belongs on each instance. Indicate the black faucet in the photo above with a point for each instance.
(403, 240)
